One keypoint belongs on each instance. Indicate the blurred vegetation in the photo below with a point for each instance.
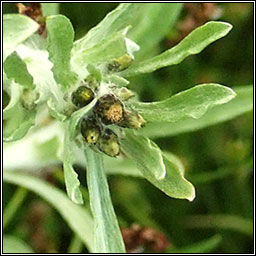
(218, 160)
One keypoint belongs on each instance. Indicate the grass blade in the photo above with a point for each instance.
(204, 246)
(77, 217)
(13, 244)
(221, 221)
(13, 205)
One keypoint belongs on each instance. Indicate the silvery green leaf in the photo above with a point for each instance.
(16, 29)
(115, 21)
(16, 69)
(194, 43)
(173, 184)
(71, 177)
(60, 36)
(108, 238)
(193, 103)
(241, 104)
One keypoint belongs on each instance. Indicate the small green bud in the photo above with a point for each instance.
(82, 96)
(124, 94)
(109, 144)
(92, 82)
(120, 64)
(109, 109)
(132, 120)
(90, 130)
(29, 97)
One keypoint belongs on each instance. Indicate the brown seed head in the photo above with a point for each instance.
(109, 109)
(114, 113)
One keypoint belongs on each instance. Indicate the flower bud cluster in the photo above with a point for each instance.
(110, 109)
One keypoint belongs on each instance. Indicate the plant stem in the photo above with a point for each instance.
(13, 205)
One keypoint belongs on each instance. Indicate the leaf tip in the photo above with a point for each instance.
(227, 25)
(193, 195)
(232, 94)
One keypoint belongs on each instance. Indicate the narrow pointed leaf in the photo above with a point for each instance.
(116, 20)
(77, 217)
(241, 104)
(60, 36)
(108, 238)
(71, 178)
(173, 184)
(194, 43)
(193, 103)
(118, 80)
(16, 29)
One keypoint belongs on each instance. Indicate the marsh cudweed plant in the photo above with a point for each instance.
(72, 99)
